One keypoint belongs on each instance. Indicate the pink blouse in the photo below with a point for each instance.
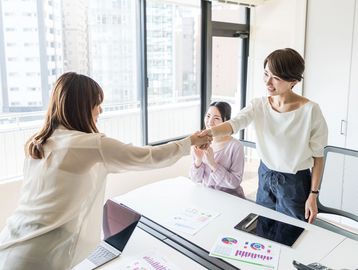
(230, 168)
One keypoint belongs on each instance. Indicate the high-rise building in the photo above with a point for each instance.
(173, 43)
(160, 49)
(75, 36)
(31, 52)
(113, 48)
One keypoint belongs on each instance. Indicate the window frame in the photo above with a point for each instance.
(224, 29)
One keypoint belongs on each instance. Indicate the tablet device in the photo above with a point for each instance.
(270, 229)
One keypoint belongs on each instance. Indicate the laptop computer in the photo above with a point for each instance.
(119, 223)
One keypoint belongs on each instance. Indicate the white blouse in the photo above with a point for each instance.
(62, 196)
(286, 142)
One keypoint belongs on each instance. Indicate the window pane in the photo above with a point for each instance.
(173, 56)
(113, 63)
(226, 71)
(42, 39)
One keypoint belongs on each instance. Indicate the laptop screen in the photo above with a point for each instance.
(119, 223)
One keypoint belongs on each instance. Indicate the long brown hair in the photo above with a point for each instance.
(73, 98)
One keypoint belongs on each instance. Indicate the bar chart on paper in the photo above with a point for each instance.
(250, 251)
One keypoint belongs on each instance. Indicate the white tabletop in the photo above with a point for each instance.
(160, 200)
(344, 256)
(142, 243)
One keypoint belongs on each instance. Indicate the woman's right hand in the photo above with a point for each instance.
(198, 155)
(202, 141)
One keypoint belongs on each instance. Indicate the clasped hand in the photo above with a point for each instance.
(202, 139)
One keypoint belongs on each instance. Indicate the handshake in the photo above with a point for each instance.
(202, 139)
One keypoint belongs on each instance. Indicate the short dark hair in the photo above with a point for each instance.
(286, 63)
(224, 109)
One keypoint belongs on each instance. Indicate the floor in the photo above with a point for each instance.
(250, 180)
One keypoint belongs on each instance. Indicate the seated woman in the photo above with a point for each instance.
(220, 166)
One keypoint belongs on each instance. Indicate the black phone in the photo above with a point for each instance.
(300, 266)
(270, 229)
(311, 266)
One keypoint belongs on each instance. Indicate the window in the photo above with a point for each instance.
(173, 57)
(229, 54)
(106, 47)
(142, 105)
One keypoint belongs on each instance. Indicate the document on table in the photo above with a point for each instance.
(148, 261)
(247, 250)
(190, 219)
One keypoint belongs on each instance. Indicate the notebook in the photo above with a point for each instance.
(119, 223)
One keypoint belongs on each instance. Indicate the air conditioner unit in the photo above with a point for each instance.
(250, 3)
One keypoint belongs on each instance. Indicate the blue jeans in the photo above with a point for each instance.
(284, 192)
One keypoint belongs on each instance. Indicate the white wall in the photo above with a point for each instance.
(275, 25)
(118, 184)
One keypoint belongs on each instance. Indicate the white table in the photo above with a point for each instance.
(160, 200)
(344, 256)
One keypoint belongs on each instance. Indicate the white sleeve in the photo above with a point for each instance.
(243, 118)
(319, 133)
(118, 156)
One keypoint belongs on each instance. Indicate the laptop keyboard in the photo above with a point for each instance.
(101, 256)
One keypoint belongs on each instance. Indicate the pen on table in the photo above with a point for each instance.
(251, 221)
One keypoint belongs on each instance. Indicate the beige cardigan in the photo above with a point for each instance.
(63, 194)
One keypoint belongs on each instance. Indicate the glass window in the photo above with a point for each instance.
(227, 58)
(106, 52)
(226, 66)
(99, 39)
(173, 64)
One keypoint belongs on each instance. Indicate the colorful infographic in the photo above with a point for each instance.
(247, 250)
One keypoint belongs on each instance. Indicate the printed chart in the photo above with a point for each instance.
(149, 261)
(247, 250)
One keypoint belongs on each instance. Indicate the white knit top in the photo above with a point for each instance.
(286, 142)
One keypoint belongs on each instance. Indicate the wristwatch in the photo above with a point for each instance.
(315, 191)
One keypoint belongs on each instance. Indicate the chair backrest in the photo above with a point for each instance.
(337, 204)
(339, 182)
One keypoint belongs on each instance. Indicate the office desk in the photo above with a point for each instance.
(142, 242)
(344, 256)
(160, 200)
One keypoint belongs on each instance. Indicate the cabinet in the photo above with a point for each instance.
(328, 78)
(331, 79)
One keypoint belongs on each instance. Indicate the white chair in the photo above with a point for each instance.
(337, 200)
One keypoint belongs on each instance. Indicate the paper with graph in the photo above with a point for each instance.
(247, 250)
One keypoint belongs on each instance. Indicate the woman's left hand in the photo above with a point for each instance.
(209, 153)
(311, 208)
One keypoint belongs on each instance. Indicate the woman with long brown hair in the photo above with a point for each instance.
(64, 179)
